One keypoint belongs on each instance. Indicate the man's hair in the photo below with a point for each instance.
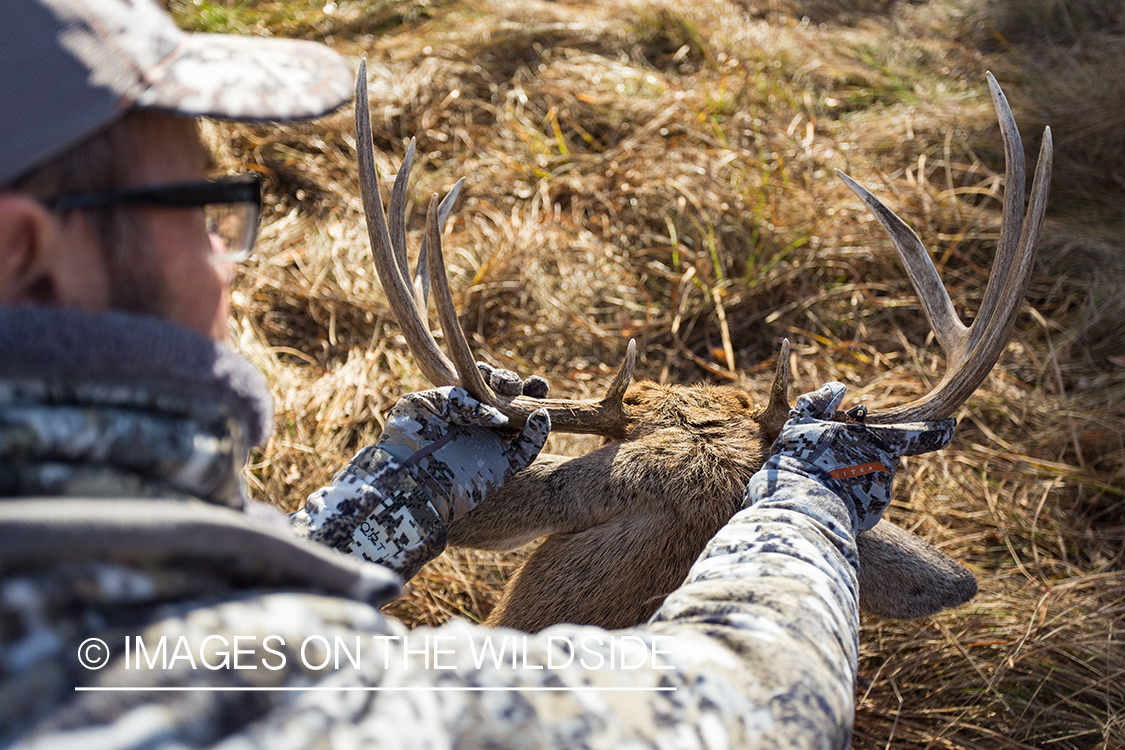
(104, 162)
(92, 165)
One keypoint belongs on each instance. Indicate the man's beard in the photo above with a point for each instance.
(135, 283)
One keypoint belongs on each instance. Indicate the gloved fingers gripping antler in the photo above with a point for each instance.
(822, 403)
(509, 383)
(458, 448)
(857, 461)
(521, 451)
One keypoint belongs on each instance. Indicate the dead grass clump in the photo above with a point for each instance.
(1066, 57)
(1039, 674)
(844, 12)
(664, 170)
(1047, 23)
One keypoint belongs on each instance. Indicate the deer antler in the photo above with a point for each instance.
(971, 351)
(607, 416)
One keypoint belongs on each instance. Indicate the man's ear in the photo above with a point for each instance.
(49, 259)
(28, 237)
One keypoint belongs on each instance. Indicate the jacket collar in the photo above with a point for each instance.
(119, 405)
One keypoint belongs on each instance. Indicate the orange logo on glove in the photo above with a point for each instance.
(858, 470)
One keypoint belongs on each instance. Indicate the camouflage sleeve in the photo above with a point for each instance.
(778, 587)
(376, 511)
(441, 453)
(757, 648)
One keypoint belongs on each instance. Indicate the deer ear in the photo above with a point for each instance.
(902, 577)
(776, 413)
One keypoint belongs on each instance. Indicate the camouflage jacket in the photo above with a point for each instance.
(143, 603)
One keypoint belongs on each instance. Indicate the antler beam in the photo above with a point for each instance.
(971, 351)
(607, 416)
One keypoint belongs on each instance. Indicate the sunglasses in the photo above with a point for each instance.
(232, 206)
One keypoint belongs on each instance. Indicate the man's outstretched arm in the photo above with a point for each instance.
(757, 648)
(778, 584)
(440, 454)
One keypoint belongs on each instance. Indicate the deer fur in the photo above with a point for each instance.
(625, 522)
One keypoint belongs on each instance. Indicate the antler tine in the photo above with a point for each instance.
(986, 346)
(434, 365)
(971, 351)
(396, 213)
(951, 333)
(606, 416)
(422, 270)
(398, 235)
(463, 359)
(624, 376)
(421, 278)
(1011, 224)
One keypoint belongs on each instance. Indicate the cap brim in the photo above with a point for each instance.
(248, 78)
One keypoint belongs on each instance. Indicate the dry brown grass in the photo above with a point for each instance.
(663, 170)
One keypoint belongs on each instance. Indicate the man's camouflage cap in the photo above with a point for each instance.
(68, 68)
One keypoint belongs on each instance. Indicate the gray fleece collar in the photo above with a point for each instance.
(128, 354)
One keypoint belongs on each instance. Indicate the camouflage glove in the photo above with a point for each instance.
(855, 461)
(448, 442)
(440, 454)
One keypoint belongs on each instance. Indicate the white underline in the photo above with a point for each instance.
(458, 688)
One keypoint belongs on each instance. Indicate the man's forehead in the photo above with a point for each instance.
(200, 155)
(209, 163)
(170, 143)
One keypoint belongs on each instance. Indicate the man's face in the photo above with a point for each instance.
(141, 259)
(171, 252)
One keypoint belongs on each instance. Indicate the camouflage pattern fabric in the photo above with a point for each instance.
(440, 453)
(376, 511)
(756, 649)
(854, 460)
(85, 449)
(120, 405)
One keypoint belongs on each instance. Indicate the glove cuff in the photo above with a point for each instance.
(782, 462)
(405, 531)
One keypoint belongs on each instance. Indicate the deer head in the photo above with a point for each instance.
(625, 522)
